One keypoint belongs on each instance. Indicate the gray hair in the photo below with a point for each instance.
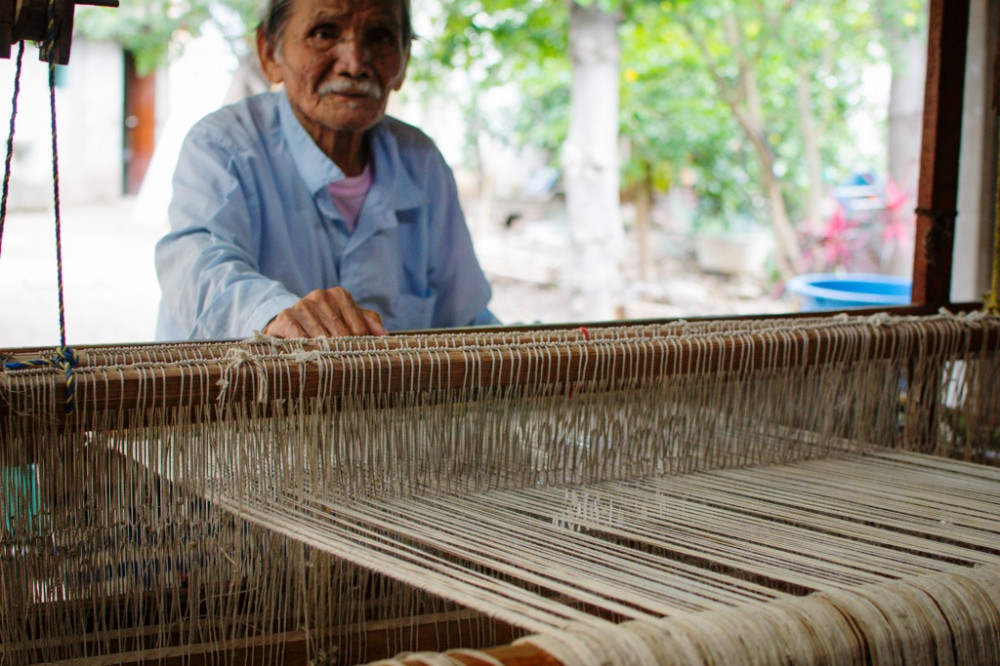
(276, 16)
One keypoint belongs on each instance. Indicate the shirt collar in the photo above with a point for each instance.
(393, 186)
(316, 169)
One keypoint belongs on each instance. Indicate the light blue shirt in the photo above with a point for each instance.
(254, 229)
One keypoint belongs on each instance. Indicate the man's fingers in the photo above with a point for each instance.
(374, 320)
(326, 313)
(288, 325)
(346, 316)
(357, 320)
(314, 322)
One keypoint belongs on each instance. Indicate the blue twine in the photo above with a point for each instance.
(66, 358)
(55, 176)
(48, 47)
(10, 141)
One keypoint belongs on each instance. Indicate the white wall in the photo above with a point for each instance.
(89, 127)
(977, 162)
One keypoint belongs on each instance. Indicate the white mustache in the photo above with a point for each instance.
(362, 87)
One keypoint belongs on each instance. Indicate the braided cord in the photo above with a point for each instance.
(10, 141)
(66, 358)
(55, 201)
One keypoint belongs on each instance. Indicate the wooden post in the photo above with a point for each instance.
(938, 191)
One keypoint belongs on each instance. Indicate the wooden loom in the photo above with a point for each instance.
(196, 486)
(142, 527)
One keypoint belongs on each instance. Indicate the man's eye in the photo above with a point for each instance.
(324, 33)
(382, 37)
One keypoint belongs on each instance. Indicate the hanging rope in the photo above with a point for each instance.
(55, 177)
(66, 358)
(10, 141)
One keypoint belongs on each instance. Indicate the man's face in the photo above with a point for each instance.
(339, 60)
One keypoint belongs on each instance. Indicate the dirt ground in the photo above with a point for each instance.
(111, 293)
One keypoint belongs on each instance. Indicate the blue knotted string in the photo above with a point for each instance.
(65, 358)
(10, 141)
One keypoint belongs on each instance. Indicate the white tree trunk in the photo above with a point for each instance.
(590, 166)
(814, 161)
(906, 110)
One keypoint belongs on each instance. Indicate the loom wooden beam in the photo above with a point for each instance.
(217, 386)
(242, 651)
(510, 655)
(380, 640)
(937, 195)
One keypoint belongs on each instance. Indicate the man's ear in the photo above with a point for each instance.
(268, 58)
(402, 72)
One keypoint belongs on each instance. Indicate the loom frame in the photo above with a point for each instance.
(933, 258)
(110, 396)
(936, 211)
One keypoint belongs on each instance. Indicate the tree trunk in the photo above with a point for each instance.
(644, 220)
(591, 164)
(814, 162)
(750, 116)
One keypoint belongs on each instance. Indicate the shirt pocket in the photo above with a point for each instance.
(411, 312)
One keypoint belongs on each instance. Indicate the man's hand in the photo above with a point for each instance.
(329, 313)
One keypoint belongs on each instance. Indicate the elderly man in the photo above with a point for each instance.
(307, 211)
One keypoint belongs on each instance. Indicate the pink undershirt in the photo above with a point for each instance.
(349, 195)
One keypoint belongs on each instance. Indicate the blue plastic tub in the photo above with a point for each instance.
(830, 291)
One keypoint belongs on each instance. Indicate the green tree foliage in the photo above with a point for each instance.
(496, 43)
(717, 46)
(728, 93)
(152, 30)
